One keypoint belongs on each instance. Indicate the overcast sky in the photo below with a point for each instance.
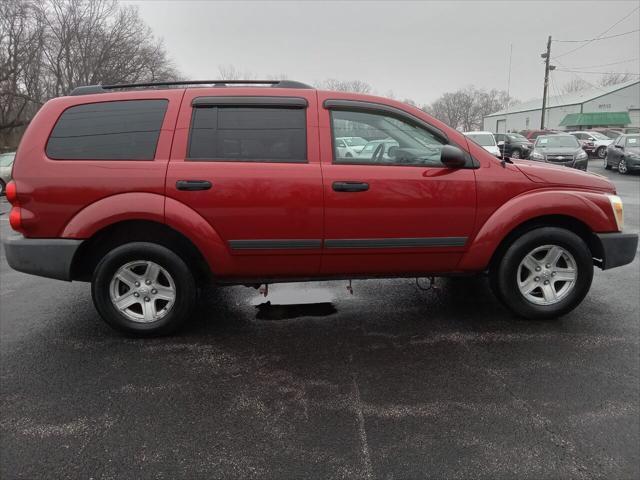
(417, 50)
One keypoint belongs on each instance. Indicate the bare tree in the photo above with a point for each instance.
(575, 85)
(465, 109)
(354, 86)
(230, 72)
(21, 42)
(48, 47)
(615, 78)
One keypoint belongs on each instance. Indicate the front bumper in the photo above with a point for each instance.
(617, 249)
(45, 257)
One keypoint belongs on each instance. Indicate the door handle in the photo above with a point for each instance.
(350, 186)
(192, 185)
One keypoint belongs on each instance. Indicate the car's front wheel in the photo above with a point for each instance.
(622, 167)
(601, 152)
(543, 274)
(516, 153)
(143, 289)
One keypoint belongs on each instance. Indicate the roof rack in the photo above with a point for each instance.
(91, 89)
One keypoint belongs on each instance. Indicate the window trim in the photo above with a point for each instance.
(254, 101)
(381, 109)
(288, 103)
(155, 150)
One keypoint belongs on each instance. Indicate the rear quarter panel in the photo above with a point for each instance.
(52, 192)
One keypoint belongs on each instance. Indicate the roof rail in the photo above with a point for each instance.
(91, 89)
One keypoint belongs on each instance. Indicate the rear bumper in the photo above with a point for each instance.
(45, 257)
(617, 249)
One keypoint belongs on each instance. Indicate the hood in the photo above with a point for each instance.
(540, 172)
(633, 151)
(558, 150)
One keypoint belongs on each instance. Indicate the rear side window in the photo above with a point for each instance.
(250, 134)
(126, 130)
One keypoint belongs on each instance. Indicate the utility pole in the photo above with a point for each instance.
(547, 58)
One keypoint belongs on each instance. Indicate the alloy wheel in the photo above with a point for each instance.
(515, 154)
(142, 291)
(622, 166)
(601, 152)
(547, 274)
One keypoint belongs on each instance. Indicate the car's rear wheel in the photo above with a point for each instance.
(543, 274)
(601, 152)
(143, 289)
(622, 167)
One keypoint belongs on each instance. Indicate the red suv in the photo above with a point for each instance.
(151, 193)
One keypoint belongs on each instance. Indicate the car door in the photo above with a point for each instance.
(617, 152)
(255, 154)
(401, 212)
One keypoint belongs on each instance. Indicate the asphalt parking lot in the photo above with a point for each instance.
(391, 382)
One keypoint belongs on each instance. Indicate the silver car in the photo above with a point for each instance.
(6, 165)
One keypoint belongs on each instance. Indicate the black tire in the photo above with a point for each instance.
(2, 188)
(185, 288)
(516, 153)
(503, 277)
(622, 167)
(601, 152)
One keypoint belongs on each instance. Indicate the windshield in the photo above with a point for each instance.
(598, 135)
(611, 134)
(483, 139)
(6, 159)
(355, 141)
(517, 137)
(633, 141)
(557, 141)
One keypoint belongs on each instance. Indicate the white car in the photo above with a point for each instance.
(349, 146)
(486, 140)
(600, 141)
(379, 147)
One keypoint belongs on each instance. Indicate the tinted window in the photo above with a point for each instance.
(248, 134)
(126, 130)
(390, 141)
(557, 141)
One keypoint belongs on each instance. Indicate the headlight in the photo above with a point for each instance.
(582, 155)
(616, 205)
(535, 155)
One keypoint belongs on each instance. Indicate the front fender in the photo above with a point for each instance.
(592, 209)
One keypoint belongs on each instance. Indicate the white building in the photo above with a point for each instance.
(612, 106)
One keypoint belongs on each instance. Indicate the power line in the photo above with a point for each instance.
(599, 36)
(585, 81)
(598, 73)
(607, 64)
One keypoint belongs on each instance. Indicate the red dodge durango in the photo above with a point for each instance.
(151, 191)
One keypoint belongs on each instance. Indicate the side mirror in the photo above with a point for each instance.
(391, 151)
(453, 157)
(618, 146)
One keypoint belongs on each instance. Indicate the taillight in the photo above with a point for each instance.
(15, 219)
(11, 192)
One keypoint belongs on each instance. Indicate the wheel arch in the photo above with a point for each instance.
(582, 212)
(560, 221)
(93, 249)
